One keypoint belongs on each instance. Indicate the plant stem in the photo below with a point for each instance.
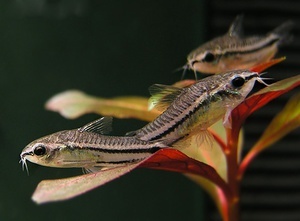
(233, 181)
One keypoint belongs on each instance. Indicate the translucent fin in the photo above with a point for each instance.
(162, 96)
(227, 119)
(236, 27)
(100, 126)
(202, 139)
(92, 170)
(166, 142)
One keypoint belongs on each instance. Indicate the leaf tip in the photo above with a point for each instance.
(263, 66)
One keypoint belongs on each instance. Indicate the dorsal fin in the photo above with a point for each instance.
(100, 126)
(162, 96)
(236, 27)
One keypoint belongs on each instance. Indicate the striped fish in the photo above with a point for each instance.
(233, 51)
(87, 147)
(197, 107)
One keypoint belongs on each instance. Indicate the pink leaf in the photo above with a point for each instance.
(165, 159)
(63, 189)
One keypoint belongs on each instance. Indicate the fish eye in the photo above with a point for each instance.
(209, 57)
(39, 150)
(238, 81)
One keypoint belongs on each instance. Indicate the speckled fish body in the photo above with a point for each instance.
(197, 107)
(88, 148)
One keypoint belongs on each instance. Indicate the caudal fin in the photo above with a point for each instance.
(283, 32)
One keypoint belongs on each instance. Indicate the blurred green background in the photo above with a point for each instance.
(104, 48)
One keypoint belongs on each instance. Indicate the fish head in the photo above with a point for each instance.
(43, 151)
(234, 86)
(209, 59)
(53, 151)
(212, 57)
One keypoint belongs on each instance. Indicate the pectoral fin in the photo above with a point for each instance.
(92, 169)
(200, 139)
(162, 96)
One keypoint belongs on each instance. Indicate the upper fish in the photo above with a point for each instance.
(195, 108)
(233, 51)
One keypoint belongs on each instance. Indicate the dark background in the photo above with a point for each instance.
(112, 48)
(105, 48)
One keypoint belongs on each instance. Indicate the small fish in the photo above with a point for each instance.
(88, 148)
(195, 108)
(233, 51)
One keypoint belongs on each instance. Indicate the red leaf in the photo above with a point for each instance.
(261, 98)
(263, 66)
(174, 160)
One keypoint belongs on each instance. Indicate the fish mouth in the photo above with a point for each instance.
(191, 64)
(254, 75)
(257, 77)
(22, 155)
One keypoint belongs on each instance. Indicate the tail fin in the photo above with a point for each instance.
(283, 32)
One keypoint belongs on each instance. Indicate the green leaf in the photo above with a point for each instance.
(285, 121)
(72, 104)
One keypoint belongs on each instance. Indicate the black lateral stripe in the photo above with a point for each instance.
(253, 50)
(172, 128)
(212, 99)
(244, 52)
(119, 162)
(125, 151)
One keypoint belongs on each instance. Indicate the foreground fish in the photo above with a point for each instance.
(88, 148)
(197, 107)
(232, 51)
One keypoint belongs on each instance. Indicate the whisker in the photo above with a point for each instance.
(263, 73)
(185, 68)
(24, 165)
(261, 80)
(195, 73)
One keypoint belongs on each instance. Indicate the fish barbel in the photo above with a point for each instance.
(233, 51)
(88, 148)
(195, 108)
